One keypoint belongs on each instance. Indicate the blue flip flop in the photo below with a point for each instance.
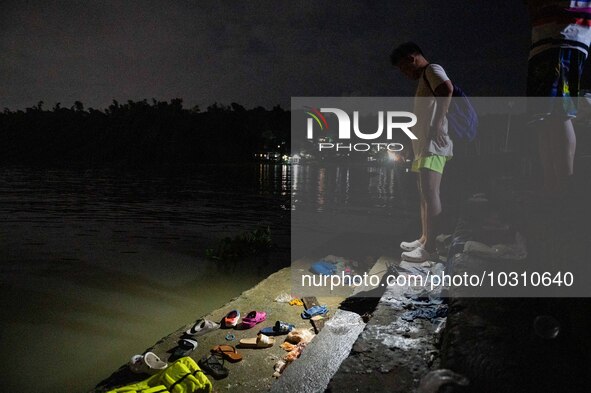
(313, 311)
(279, 329)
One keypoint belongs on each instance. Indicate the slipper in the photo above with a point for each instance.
(231, 319)
(261, 341)
(277, 330)
(185, 347)
(212, 366)
(148, 363)
(201, 327)
(252, 318)
(315, 310)
(418, 255)
(228, 352)
(409, 246)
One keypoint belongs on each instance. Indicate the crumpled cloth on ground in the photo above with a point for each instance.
(299, 335)
(516, 251)
(424, 298)
(283, 297)
(295, 351)
(430, 312)
(342, 265)
(323, 267)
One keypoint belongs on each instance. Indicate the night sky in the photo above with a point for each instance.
(250, 52)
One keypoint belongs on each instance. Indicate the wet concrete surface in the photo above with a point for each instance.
(391, 354)
(502, 342)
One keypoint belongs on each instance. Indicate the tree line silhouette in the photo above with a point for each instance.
(140, 133)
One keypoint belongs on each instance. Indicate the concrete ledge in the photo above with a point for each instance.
(390, 355)
(254, 372)
(322, 357)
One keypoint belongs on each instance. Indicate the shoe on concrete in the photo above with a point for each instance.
(409, 246)
(417, 255)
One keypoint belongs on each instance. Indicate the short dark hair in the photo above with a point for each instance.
(403, 50)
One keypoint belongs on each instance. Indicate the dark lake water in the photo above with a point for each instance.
(97, 265)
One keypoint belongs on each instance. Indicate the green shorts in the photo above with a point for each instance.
(435, 163)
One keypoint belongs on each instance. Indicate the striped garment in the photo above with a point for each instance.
(560, 24)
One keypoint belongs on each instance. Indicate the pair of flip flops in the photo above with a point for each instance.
(314, 311)
(184, 348)
(227, 352)
(211, 365)
(279, 329)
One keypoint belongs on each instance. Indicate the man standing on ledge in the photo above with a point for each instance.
(432, 148)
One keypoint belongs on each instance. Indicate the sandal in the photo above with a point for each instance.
(148, 363)
(252, 318)
(202, 326)
(185, 347)
(228, 352)
(315, 310)
(279, 329)
(212, 366)
(231, 319)
(261, 341)
(409, 246)
(419, 255)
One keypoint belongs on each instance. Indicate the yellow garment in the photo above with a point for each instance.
(296, 302)
(434, 162)
(182, 376)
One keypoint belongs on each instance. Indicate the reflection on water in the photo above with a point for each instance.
(386, 189)
(351, 210)
(96, 266)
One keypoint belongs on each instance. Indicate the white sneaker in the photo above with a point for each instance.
(409, 246)
(417, 255)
